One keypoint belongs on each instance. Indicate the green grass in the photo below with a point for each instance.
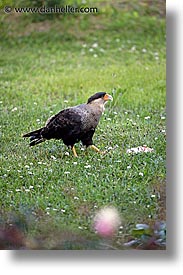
(47, 66)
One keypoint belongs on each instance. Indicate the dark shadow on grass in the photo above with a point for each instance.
(172, 182)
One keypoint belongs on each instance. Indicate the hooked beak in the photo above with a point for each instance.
(108, 97)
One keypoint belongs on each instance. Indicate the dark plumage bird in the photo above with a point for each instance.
(73, 124)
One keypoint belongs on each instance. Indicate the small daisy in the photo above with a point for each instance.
(66, 172)
(95, 45)
(14, 109)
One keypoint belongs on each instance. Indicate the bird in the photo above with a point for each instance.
(73, 124)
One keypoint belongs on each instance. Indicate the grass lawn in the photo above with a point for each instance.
(48, 65)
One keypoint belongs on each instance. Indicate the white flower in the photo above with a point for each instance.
(52, 157)
(66, 172)
(141, 174)
(144, 50)
(87, 166)
(90, 50)
(30, 173)
(133, 49)
(95, 55)
(163, 117)
(14, 109)
(95, 45)
(66, 153)
(128, 167)
(26, 166)
(147, 117)
(75, 163)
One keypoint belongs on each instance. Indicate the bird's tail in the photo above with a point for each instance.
(35, 137)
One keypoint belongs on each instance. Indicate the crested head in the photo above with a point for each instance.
(100, 95)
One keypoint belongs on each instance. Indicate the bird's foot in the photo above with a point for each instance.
(97, 150)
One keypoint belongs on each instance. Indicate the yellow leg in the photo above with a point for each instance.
(74, 151)
(95, 148)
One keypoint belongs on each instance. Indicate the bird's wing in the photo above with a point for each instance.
(66, 122)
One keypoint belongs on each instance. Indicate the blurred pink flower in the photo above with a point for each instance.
(107, 221)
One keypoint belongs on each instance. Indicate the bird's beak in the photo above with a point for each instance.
(108, 97)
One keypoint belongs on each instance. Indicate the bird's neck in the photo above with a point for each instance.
(97, 107)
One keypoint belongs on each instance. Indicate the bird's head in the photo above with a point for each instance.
(99, 98)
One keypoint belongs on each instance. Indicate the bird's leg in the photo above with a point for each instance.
(95, 149)
(74, 151)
